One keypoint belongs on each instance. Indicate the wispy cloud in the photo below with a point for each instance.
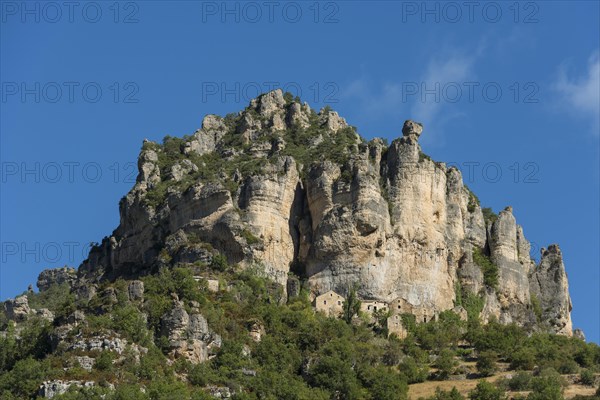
(421, 97)
(453, 70)
(581, 94)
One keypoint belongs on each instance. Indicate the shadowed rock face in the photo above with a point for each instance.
(286, 188)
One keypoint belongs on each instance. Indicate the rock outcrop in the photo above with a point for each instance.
(17, 309)
(50, 389)
(56, 276)
(135, 291)
(550, 285)
(287, 189)
(188, 333)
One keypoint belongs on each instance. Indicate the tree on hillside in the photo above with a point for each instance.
(351, 305)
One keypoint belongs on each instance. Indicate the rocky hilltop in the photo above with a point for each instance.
(301, 196)
(237, 245)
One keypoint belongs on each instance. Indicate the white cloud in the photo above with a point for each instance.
(409, 100)
(455, 69)
(581, 94)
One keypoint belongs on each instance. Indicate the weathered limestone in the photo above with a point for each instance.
(550, 285)
(49, 389)
(205, 140)
(388, 218)
(188, 334)
(149, 172)
(99, 343)
(513, 283)
(135, 290)
(56, 276)
(17, 309)
(86, 362)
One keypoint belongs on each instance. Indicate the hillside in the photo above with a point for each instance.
(276, 254)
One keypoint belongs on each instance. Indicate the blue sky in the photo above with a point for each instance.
(508, 93)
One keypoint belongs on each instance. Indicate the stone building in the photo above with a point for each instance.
(370, 306)
(421, 313)
(330, 303)
(395, 326)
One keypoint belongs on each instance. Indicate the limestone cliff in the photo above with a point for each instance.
(289, 190)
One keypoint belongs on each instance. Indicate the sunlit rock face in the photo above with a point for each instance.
(283, 188)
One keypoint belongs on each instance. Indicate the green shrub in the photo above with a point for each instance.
(33, 340)
(333, 370)
(393, 352)
(520, 381)
(384, 384)
(568, 366)
(24, 378)
(250, 237)
(351, 305)
(130, 322)
(52, 298)
(587, 377)
(445, 364)
(104, 362)
(473, 304)
(503, 339)
(413, 370)
(458, 290)
(473, 201)
(409, 322)
(489, 216)
(167, 389)
(489, 269)
(547, 386)
(129, 392)
(219, 263)
(452, 394)
(442, 333)
(486, 391)
(537, 308)
(523, 359)
(486, 363)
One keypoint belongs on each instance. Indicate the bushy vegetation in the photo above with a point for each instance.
(489, 216)
(486, 363)
(473, 201)
(302, 354)
(489, 269)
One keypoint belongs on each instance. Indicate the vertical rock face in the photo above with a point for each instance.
(503, 238)
(550, 285)
(505, 242)
(287, 189)
(270, 204)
